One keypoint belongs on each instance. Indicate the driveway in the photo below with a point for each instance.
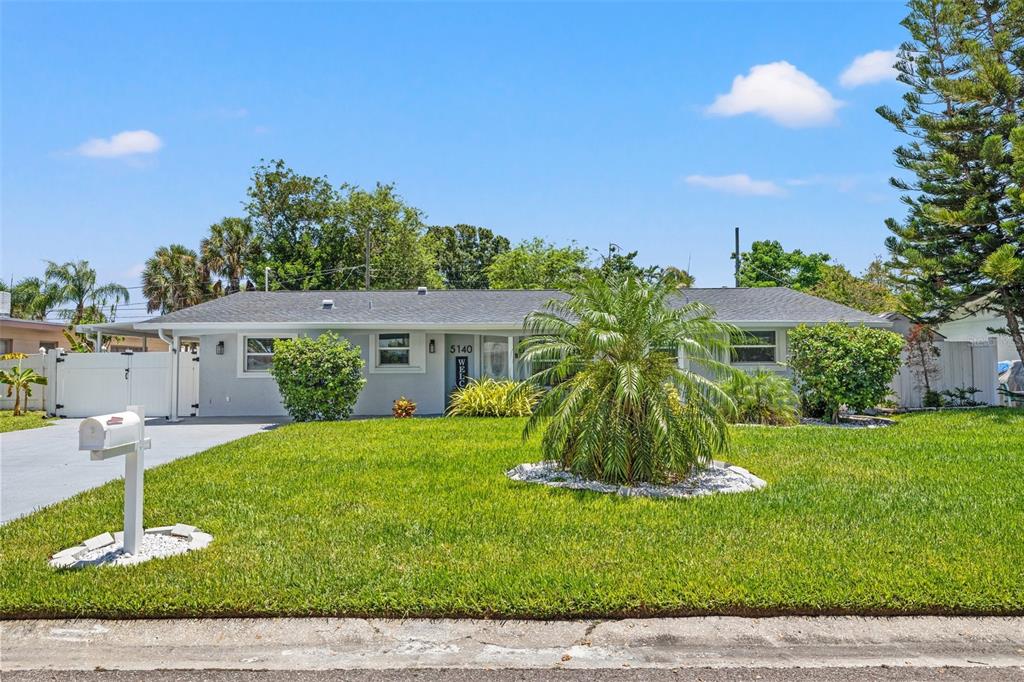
(41, 466)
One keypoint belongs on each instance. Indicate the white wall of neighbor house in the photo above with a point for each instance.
(976, 329)
(228, 388)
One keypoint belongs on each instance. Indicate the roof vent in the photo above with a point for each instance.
(422, 291)
(327, 304)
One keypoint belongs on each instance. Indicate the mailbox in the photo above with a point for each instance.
(109, 431)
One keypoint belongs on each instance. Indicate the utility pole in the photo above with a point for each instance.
(266, 278)
(366, 262)
(736, 257)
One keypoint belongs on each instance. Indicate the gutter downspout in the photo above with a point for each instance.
(173, 346)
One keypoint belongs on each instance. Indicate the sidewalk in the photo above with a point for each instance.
(310, 644)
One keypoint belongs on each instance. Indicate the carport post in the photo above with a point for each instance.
(175, 361)
(97, 345)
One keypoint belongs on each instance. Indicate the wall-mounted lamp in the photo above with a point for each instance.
(432, 346)
(220, 348)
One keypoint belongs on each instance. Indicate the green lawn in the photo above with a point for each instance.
(29, 420)
(416, 517)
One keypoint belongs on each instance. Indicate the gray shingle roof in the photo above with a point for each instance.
(478, 308)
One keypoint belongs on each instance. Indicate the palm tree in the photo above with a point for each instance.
(228, 249)
(74, 283)
(173, 278)
(31, 298)
(620, 408)
(19, 382)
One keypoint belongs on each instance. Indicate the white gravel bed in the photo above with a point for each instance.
(107, 549)
(717, 478)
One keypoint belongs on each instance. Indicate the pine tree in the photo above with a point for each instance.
(963, 237)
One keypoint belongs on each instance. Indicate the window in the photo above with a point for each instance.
(754, 347)
(6, 346)
(393, 349)
(48, 345)
(258, 353)
(494, 362)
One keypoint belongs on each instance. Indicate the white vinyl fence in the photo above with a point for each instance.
(961, 364)
(31, 362)
(84, 384)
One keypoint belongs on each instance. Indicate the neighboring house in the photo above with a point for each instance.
(972, 323)
(28, 336)
(423, 344)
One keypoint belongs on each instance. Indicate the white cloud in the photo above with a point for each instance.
(739, 183)
(781, 92)
(126, 143)
(873, 67)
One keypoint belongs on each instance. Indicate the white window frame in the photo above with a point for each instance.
(244, 373)
(407, 348)
(750, 363)
(417, 354)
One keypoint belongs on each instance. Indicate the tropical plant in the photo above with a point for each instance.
(228, 250)
(403, 408)
(173, 278)
(31, 298)
(838, 364)
(962, 396)
(19, 382)
(492, 398)
(763, 398)
(620, 408)
(319, 378)
(74, 283)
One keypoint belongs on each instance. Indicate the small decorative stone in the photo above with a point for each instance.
(101, 540)
(69, 553)
(182, 530)
(156, 543)
(716, 478)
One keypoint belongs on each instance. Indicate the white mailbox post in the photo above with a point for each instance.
(113, 435)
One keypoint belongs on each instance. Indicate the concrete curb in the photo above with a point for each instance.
(343, 643)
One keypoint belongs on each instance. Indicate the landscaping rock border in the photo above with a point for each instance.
(107, 549)
(720, 477)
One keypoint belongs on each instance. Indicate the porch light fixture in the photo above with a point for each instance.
(220, 348)
(431, 346)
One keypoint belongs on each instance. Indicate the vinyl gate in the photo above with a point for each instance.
(85, 384)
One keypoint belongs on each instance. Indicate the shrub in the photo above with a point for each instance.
(962, 396)
(403, 408)
(319, 379)
(836, 365)
(490, 398)
(613, 411)
(932, 399)
(762, 398)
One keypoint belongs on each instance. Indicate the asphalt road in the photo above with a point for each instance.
(919, 674)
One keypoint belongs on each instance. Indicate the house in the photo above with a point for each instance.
(973, 321)
(423, 344)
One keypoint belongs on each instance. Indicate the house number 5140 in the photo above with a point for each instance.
(455, 348)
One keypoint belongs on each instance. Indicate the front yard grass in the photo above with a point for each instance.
(28, 420)
(416, 518)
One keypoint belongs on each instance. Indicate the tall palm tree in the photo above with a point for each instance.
(228, 249)
(620, 408)
(74, 283)
(31, 298)
(173, 278)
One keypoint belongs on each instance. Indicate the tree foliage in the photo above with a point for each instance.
(869, 293)
(31, 298)
(174, 278)
(19, 383)
(536, 264)
(619, 264)
(319, 378)
(962, 239)
(74, 284)
(228, 250)
(762, 397)
(463, 253)
(837, 364)
(767, 264)
(619, 408)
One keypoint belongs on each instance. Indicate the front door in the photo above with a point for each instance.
(459, 361)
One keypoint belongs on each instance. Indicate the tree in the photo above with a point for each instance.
(31, 298)
(767, 264)
(963, 235)
(619, 264)
(399, 254)
(619, 408)
(463, 253)
(74, 283)
(299, 222)
(536, 264)
(922, 358)
(866, 293)
(228, 250)
(174, 278)
(836, 364)
(19, 382)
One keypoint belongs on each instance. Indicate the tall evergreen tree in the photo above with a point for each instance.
(963, 236)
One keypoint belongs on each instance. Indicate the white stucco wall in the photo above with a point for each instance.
(975, 329)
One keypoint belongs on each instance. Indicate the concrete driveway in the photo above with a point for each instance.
(41, 466)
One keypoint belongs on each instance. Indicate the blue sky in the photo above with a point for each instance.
(586, 122)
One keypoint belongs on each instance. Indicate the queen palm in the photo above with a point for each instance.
(173, 278)
(620, 408)
(74, 284)
(228, 249)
